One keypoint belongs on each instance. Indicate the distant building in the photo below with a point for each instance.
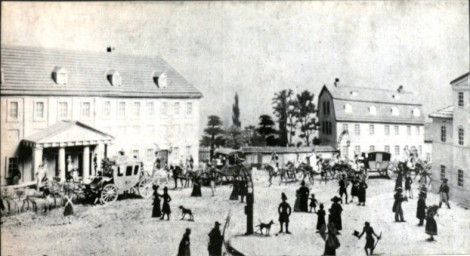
(451, 144)
(360, 119)
(64, 106)
(262, 155)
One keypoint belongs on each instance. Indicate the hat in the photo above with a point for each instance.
(321, 206)
(356, 233)
(216, 224)
(445, 179)
(302, 183)
(283, 196)
(155, 187)
(335, 199)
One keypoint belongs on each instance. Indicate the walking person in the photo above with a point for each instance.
(156, 212)
(212, 178)
(336, 211)
(235, 189)
(362, 189)
(215, 241)
(408, 181)
(431, 225)
(321, 217)
(284, 211)
(242, 189)
(444, 193)
(370, 242)
(166, 210)
(421, 209)
(343, 185)
(354, 188)
(397, 209)
(313, 203)
(184, 249)
(330, 238)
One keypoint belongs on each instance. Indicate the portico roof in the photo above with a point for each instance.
(67, 134)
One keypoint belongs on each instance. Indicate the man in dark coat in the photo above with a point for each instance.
(362, 192)
(444, 193)
(215, 241)
(284, 211)
(421, 210)
(343, 185)
(175, 172)
(336, 211)
(397, 209)
(370, 242)
(399, 181)
(184, 248)
(303, 197)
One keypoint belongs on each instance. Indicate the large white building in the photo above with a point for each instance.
(61, 104)
(359, 119)
(451, 143)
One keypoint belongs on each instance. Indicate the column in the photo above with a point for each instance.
(37, 160)
(62, 164)
(86, 163)
(99, 151)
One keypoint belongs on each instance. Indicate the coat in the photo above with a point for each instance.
(184, 248)
(284, 211)
(321, 218)
(361, 193)
(421, 210)
(336, 210)
(156, 212)
(397, 204)
(215, 242)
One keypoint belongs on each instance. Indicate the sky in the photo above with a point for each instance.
(258, 48)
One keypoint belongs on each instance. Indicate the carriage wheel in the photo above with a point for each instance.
(145, 188)
(109, 194)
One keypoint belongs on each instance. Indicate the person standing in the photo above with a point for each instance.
(215, 241)
(68, 210)
(175, 172)
(196, 187)
(313, 203)
(370, 242)
(431, 225)
(399, 180)
(212, 178)
(408, 181)
(354, 188)
(235, 189)
(242, 189)
(444, 193)
(284, 211)
(362, 192)
(397, 209)
(166, 210)
(336, 211)
(184, 248)
(156, 212)
(321, 217)
(343, 185)
(421, 209)
(303, 197)
(331, 239)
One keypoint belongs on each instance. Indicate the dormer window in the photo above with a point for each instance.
(395, 111)
(348, 108)
(160, 79)
(372, 110)
(415, 112)
(354, 93)
(114, 78)
(59, 74)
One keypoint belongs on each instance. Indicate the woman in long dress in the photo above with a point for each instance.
(166, 204)
(196, 187)
(235, 189)
(68, 210)
(431, 225)
(321, 217)
(156, 212)
(297, 202)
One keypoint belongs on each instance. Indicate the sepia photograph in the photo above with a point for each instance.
(257, 128)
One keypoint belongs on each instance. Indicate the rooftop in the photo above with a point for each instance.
(446, 112)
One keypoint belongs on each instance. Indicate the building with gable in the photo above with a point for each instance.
(360, 119)
(65, 106)
(451, 143)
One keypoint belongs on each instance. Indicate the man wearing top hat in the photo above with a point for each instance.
(215, 241)
(336, 211)
(397, 209)
(284, 211)
(444, 193)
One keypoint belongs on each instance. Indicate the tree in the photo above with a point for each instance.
(266, 130)
(305, 112)
(291, 121)
(234, 137)
(281, 109)
(236, 113)
(251, 137)
(213, 134)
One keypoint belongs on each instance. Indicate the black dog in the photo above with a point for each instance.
(185, 211)
(266, 226)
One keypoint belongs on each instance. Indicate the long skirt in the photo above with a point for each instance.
(234, 195)
(68, 210)
(370, 242)
(156, 212)
(166, 208)
(431, 227)
(297, 207)
(320, 222)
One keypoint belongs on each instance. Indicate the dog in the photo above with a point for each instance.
(266, 226)
(185, 211)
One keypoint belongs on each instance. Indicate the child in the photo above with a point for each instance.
(313, 203)
(321, 218)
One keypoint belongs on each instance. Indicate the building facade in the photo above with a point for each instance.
(451, 143)
(62, 106)
(358, 119)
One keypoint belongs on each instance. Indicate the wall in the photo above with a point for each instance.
(442, 151)
(327, 139)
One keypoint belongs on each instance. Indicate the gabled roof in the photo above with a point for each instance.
(460, 77)
(67, 133)
(28, 71)
(447, 112)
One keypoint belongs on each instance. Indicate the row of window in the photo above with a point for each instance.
(85, 109)
(461, 99)
(357, 129)
(357, 150)
(373, 110)
(461, 132)
(149, 130)
(459, 175)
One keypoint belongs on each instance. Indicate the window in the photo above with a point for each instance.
(387, 149)
(345, 127)
(188, 151)
(63, 110)
(136, 112)
(461, 101)
(160, 79)
(372, 148)
(106, 109)
(408, 130)
(418, 131)
(135, 153)
(387, 129)
(12, 166)
(460, 178)
(114, 78)
(13, 110)
(443, 172)
(357, 150)
(416, 112)
(348, 108)
(164, 109)
(39, 110)
(150, 155)
(397, 150)
(372, 110)
(371, 129)
(189, 108)
(443, 133)
(395, 111)
(324, 108)
(122, 109)
(85, 109)
(420, 150)
(176, 108)
(136, 169)
(357, 129)
(397, 130)
(60, 76)
(2, 77)
(129, 170)
(461, 136)
(150, 109)
(119, 171)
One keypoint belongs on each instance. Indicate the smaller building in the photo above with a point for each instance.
(262, 155)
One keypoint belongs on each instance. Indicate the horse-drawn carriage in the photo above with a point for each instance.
(227, 164)
(376, 162)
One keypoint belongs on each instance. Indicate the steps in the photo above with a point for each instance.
(464, 203)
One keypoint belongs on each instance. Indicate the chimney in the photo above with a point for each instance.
(110, 49)
(400, 88)
(336, 82)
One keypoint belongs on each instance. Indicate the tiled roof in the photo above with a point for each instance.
(446, 112)
(28, 71)
(360, 100)
(460, 77)
(281, 150)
